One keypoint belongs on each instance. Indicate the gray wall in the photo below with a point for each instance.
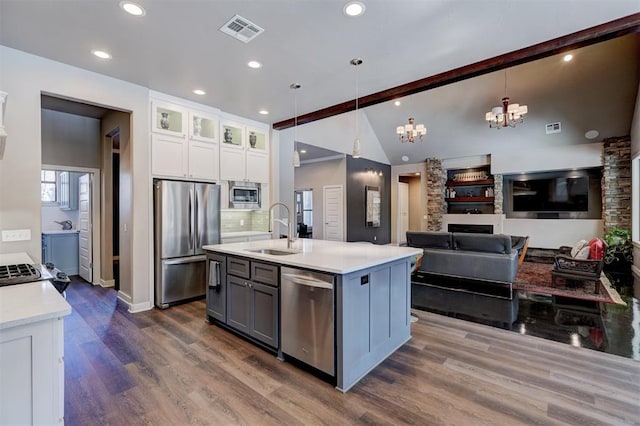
(316, 175)
(70, 140)
(357, 179)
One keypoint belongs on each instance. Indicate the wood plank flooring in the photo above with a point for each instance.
(171, 368)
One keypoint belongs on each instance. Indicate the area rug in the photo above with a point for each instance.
(536, 278)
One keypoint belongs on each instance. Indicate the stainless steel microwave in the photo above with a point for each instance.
(244, 195)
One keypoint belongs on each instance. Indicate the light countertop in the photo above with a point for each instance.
(321, 255)
(243, 234)
(60, 231)
(27, 303)
(22, 304)
(15, 258)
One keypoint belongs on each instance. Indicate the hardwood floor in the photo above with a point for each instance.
(171, 368)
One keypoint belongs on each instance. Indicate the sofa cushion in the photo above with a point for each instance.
(488, 243)
(441, 240)
(596, 249)
(579, 246)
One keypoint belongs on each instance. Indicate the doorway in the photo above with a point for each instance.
(408, 206)
(68, 211)
(80, 137)
(304, 212)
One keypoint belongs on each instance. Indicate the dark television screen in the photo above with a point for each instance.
(560, 194)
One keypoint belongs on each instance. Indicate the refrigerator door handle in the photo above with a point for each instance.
(183, 260)
(196, 231)
(190, 219)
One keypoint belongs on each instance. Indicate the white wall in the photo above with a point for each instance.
(52, 214)
(25, 77)
(548, 158)
(316, 175)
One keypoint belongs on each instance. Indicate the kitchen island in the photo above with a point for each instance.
(369, 287)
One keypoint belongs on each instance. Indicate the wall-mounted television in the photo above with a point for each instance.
(566, 194)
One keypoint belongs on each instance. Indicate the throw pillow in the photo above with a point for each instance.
(579, 246)
(583, 253)
(596, 249)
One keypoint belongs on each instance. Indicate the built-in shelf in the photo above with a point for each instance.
(470, 200)
(470, 183)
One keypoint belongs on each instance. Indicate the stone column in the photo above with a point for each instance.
(435, 194)
(498, 200)
(616, 183)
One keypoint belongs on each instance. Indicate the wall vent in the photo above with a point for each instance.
(241, 29)
(553, 128)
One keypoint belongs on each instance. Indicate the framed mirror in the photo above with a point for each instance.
(373, 206)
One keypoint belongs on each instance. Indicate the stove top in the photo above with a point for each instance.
(18, 273)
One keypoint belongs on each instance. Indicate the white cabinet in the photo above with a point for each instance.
(168, 118)
(184, 143)
(244, 153)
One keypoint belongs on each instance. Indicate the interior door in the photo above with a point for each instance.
(403, 212)
(85, 246)
(332, 210)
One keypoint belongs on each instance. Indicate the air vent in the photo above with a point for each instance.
(553, 128)
(241, 29)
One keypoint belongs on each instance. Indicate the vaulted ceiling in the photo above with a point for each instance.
(176, 47)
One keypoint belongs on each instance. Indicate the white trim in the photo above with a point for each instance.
(107, 283)
(140, 307)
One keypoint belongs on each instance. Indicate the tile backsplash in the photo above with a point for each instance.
(243, 220)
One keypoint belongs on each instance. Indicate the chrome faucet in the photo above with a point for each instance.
(290, 234)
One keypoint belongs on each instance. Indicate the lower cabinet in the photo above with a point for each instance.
(244, 295)
(61, 249)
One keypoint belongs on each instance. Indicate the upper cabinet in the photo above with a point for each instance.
(244, 152)
(203, 127)
(184, 142)
(168, 118)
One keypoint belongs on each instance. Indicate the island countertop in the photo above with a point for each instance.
(327, 256)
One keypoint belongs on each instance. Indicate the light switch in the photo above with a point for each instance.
(16, 235)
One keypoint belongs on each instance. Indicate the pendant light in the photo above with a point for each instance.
(356, 142)
(295, 162)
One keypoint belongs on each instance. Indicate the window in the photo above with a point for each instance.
(48, 192)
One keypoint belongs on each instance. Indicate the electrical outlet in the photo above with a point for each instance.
(16, 235)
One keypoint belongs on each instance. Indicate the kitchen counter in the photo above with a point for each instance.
(61, 231)
(243, 234)
(22, 304)
(371, 295)
(327, 256)
(32, 350)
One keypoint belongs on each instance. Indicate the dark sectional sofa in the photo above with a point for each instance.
(466, 273)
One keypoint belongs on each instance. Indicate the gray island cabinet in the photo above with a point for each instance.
(371, 294)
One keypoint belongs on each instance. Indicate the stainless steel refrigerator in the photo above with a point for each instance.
(186, 217)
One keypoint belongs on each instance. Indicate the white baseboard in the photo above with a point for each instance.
(134, 307)
(107, 283)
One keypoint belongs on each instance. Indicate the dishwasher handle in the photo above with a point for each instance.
(308, 281)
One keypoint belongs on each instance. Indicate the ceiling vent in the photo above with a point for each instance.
(241, 29)
(553, 128)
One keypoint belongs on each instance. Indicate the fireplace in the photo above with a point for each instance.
(464, 227)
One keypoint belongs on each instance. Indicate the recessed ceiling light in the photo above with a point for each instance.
(132, 8)
(354, 8)
(101, 54)
(199, 92)
(417, 173)
(303, 151)
(568, 57)
(405, 158)
(263, 112)
(397, 103)
(254, 64)
(592, 134)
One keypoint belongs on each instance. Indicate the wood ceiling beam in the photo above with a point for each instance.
(589, 36)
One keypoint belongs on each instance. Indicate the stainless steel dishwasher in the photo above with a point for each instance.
(307, 317)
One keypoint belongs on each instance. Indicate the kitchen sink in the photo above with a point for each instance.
(273, 252)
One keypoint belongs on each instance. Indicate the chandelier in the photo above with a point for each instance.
(410, 131)
(507, 115)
